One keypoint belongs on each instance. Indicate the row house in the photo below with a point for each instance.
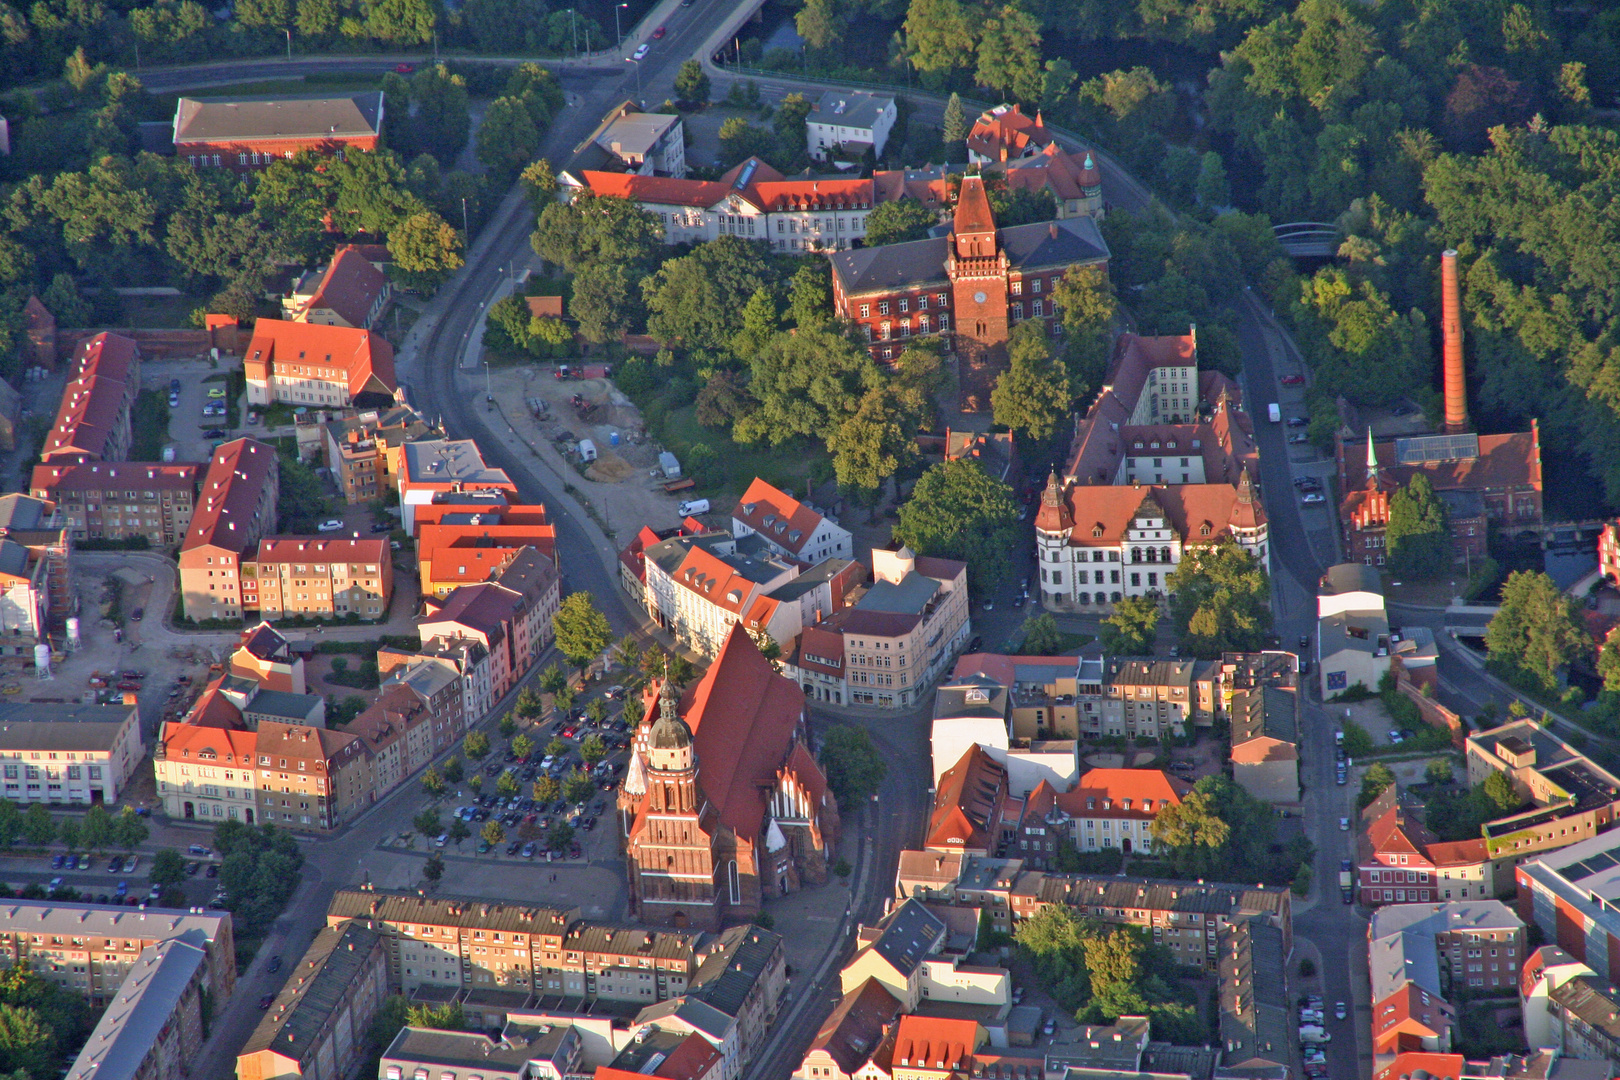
(465, 659)
(348, 291)
(312, 778)
(316, 1026)
(699, 587)
(969, 287)
(430, 469)
(1572, 897)
(312, 364)
(250, 133)
(1116, 807)
(1256, 1022)
(93, 421)
(416, 717)
(120, 501)
(508, 616)
(319, 577)
(551, 1052)
(90, 950)
(237, 506)
(166, 989)
(892, 639)
(1399, 861)
(363, 450)
(207, 773)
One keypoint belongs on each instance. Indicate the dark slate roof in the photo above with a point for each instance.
(918, 263)
(282, 703)
(321, 985)
(339, 115)
(908, 935)
(730, 973)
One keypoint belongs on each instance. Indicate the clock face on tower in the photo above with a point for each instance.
(978, 298)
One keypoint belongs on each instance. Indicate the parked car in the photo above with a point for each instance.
(660, 32)
(1293, 380)
(332, 525)
(122, 890)
(131, 863)
(137, 615)
(265, 1001)
(1339, 1011)
(192, 868)
(1344, 824)
(641, 52)
(404, 69)
(1299, 440)
(54, 885)
(216, 391)
(1298, 421)
(1312, 497)
(213, 869)
(83, 862)
(57, 861)
(275, 964)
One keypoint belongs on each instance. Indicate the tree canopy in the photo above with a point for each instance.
(1418, 536)
(1220, 600)
(1536, 632)
(958, 511)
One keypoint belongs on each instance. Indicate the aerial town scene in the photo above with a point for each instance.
(809, 540)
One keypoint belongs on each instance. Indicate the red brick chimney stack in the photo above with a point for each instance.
(1451, 329)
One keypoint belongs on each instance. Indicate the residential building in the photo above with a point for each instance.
(674, 1054)
(850, 1034)
(316, 1027)
(532, 574)
(206, 773)
(1546, 968)
(1073, 180)
(471, 663)
(54, 753)
(1353, 638)
(723, 804)
(971, 286)
(466, 548)
(312, 778)
(1006, 133)
(702, 587)
(969, 801)
(93, 421)
(645, 144)
(1265, 742)
(789, 527)
(896, 636)
(486, 614)
(1117, 806)
(893, 953)
(846, 125)
(1399, 861)
(1585, 1014)
(1478, 943)
(1256, 1016)
(311, 364)
(237, 506)
(549, 1053)
(251, 132)
(319, 577)
(118, 501)
(92, 949)
(35, 593)
(348, 291)
(153, 1027)
(429, 468)
(363, 450)
(969, 712)
(267, 658)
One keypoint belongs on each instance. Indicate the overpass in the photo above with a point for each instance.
(1307, 239)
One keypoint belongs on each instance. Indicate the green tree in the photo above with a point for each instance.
(428, 822)
(546, 789)
(854, 766)
(958, 511)
(433, 869)
(528, 704)
(1499, 791)
(26, 1043)
(404, 22)
(539, 184)
(506, 784)
(807, 384)
(1032, 395)
(1213, 189)
(453, 771)
(168, 868)
(553, 679)
(68, 834)
(1536, 631)
(508, 139)
(433, 783)
(819, 23)
(789, 122)
(597, 710)
(1608, 665)
(458, 830)
(954, 126)
(810, 295)
(475, 746)
(760, 322)
(128, 830)
(557, 747)
(1438, 771)
(691, 85)
(507, 726)
(10, 823)
(559, 836)
(598, 230)
(1219, 600)
(492, 833)
(1010, 55)
(1418, 537)
(592, 749)
(475, 782)
(702, 299)
(942, 35)
(876, 442)
(582, 632)
(523, 747)
(740, 140)
(606, 302)
(425, 249)
(899, 221)
(1085, 299)
(1042, 636)
(578, 787)
(1193, 821)
(1130, 629)
(61, 298)
(1374, 783)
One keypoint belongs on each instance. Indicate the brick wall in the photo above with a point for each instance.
(158, 344)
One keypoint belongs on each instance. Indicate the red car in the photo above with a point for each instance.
(1293, 380)
(129, 684)
(404, 69)
(658, 33)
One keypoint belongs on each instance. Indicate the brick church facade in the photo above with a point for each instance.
(968, 288)
(723, 804)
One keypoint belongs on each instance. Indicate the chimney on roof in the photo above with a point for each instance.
(1456, 390)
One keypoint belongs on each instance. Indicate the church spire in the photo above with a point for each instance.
(1372, 458)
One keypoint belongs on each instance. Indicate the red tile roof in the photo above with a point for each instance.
(224, 513)
(292, 549)
(1102, 514)
(1121, 793)
(782, 519)
(663, 190)
(1412, 1012)
(973, 214)
(935, 1042)
(1067, 175)
(191, 742)
(1438, 1066)
(967, 802)
(856, 1025)
(1008, 130)
(350, 287)
(94, 398)
(365, 355)
(1001, 667)
(745, 721)
(102, 475)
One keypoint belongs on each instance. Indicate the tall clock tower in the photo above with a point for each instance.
(978, 272)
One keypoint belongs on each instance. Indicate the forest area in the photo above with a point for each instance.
(1414, 125)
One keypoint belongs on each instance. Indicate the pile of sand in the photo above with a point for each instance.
(610, 468)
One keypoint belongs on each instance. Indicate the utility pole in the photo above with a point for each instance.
(288, 31)
(465, 232)
(573, 28)
(637, 64)
(618, 33)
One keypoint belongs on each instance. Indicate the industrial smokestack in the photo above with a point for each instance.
(1451, 330)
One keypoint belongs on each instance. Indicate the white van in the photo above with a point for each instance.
(693, 506)
(587, 450)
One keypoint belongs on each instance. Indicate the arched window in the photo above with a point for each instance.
(1115, 598)
(1085, 598)
(1164, 554)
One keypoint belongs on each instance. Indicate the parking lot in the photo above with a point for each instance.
(94, 879)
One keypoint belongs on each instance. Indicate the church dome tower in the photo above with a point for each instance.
(671, 767)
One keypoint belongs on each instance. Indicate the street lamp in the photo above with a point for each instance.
(616, 31)
(488, 397)
(288, 31)
(465, 232)
(573, 28)
(637, 64)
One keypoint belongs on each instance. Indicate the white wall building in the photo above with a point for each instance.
(847, 123)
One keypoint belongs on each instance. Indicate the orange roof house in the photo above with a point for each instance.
(1412, 1018)
(313, 365)
(968, 803)
(1005, 132)
(237, 505)
(349, 292)
(93, 420)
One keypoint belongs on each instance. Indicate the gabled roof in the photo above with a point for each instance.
(856, 1025)
(1069, 176)
(1200, 513)
(94, 399)
(327, 974)
(337, 549)
(64, 478)
(1006, 127)
(967, 802)
(485, 608)
(935, 1042)
(1121, 793)
(350, 286)
(226, 746)
(264, 642)
(907, 935)
(365, 356)
(230, 494)
(784, 520)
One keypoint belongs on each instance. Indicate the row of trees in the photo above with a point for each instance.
(94, 831)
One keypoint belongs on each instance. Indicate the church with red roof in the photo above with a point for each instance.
(723, 804)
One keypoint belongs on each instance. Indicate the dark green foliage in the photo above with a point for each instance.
(1219, 600)
(957, 511)
(1458, 815)
(1374, 782)
(1129, 630)
(855, 768)
(258, 871)
(1536, 632)
(1250, 849)
(899, 221)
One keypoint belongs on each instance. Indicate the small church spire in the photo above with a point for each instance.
(1372, 458)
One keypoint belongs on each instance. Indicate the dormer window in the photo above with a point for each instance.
(1096, 531)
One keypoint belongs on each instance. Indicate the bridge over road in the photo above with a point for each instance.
(1308, 239)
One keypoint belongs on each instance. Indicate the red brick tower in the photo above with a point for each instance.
(978, 272)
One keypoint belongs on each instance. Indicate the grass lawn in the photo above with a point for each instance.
(151, 426)
(159, 312)
(790, 466)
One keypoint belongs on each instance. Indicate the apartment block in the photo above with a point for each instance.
(311, 777)
(237, 506)
(206, 773)
(321, 578)
(93, 421)
(466, 547)
(431, 468)
(80, 754)
(363, 450)
(118, 501)
(316, 1027)
(305, 363)
(35, 594)
(90, 949)
(153, 1027)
